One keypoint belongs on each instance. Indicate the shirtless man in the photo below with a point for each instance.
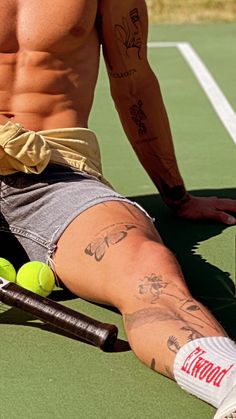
(56, 202)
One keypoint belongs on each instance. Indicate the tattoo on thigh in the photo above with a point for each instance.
(111, 236)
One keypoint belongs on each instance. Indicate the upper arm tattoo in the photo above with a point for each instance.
(129, 33)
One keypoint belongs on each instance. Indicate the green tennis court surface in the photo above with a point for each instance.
(44, 374)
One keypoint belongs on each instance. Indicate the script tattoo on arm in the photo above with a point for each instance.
(129, 33)
(123, 75)
(109, 237)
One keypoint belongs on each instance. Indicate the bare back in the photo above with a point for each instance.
(49, 57)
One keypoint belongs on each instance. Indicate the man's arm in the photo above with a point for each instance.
(136, 93)
(123, 28)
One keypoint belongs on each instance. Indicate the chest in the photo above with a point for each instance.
(45, 24)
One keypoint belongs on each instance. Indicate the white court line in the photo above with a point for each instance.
(215, 95)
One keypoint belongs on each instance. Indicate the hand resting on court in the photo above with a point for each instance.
(208, 208)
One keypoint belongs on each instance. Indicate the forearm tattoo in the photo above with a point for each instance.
(124, 74)
(174, 196)
(129, 33)
(138, 116)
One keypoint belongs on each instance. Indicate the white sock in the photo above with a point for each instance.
(206, 367)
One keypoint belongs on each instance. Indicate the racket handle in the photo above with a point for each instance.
(93, 331)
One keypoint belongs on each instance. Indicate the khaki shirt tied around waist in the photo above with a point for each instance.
(30, 152)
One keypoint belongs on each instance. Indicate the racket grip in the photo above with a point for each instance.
(102, 335)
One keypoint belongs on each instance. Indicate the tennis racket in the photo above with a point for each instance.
(102, 335)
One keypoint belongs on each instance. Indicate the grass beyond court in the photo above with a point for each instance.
(47, 375)
(192, 10)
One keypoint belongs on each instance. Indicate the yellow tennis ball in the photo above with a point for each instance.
(37, 277)
(7, 270)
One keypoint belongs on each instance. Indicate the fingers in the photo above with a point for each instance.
(209, 208)
(223, 206)
(224, 218)
(226, 204)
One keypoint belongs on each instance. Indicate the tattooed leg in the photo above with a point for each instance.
(111, 253)
(170, 319)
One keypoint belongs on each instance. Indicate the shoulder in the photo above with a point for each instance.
(116, 9)
(120, 4)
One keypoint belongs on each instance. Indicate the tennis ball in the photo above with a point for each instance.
(37, 277)
(7, 270)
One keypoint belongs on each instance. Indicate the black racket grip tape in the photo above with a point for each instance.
(90, 330)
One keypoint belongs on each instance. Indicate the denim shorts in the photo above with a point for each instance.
(35, 209)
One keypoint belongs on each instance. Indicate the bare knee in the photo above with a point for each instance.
(135, 268)
(150, 276)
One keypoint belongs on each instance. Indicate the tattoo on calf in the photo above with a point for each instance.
(129, 33)
(190, 307)
(113, 235)
(153, 364)
(154, 286)
(193, 333)
(173, 344)
(168, 372)
(151, 315)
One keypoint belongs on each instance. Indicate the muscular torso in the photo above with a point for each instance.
(49, 54)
